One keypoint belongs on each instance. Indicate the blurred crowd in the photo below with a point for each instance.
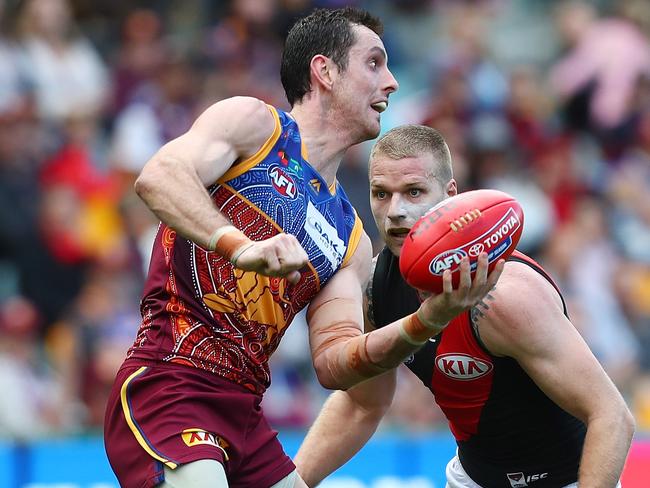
(547, 100)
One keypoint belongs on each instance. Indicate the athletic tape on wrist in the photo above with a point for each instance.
(217, 234)
(415, 331)
(229, 241)
(406, 336)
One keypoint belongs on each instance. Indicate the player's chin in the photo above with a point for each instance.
(373, 127)
(395, 243)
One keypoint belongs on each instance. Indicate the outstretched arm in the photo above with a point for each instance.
(343, 356)
(525, 321)
(173, 185)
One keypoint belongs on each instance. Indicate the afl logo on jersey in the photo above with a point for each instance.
(282, 182)
(462, 366)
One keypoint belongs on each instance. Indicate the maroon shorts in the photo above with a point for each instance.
(165, 414)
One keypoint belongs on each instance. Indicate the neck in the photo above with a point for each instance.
(324, 137)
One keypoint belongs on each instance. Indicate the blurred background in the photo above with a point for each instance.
(547, 100)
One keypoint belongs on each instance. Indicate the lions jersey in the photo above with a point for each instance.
(200, 311)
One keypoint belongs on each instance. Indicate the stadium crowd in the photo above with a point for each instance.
(549, 101)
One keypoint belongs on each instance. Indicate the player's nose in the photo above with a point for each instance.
(391, 82)
(396, 209)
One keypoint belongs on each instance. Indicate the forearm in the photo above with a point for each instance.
(343, 357)
(605, 450)
(175, 194)
(340, 431)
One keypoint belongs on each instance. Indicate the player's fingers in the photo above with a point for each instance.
(291, 260)
(293, 277)
(465, 275)
(496, 273)
(290, 253)
(297, 253)
(447, 287)
(480, 277)
(272, 263)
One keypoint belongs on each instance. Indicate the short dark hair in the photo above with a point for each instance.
(411, 140)
(324, 31)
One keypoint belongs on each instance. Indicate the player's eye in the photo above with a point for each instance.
(380, 194)
(373, 63)
(415, 192)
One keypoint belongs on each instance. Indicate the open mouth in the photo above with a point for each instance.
(400, 233)
(379, 106)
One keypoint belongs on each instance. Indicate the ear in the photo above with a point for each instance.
(451, 188)
(323, 71)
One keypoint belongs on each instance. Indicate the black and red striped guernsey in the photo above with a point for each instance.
(509, 433)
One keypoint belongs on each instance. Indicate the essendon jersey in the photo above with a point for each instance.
(199, 311)
(506, 428)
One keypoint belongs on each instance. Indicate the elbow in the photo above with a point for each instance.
(623, 420)
(329, 376)
(148, 182)
(628, 422)
(142, 185)
(617, 418)
(327, 379)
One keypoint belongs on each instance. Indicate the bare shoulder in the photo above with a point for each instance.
(519, 312)
(244, 122)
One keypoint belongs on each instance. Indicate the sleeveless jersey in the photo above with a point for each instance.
(509, 433)
(198, 310)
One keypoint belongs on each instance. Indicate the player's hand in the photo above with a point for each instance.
(281, 255)
(438, 310)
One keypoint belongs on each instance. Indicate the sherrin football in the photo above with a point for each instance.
(463, 225)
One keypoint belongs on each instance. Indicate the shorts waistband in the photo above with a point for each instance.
(206, 375)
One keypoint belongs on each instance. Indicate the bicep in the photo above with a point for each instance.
(336, 312)
(564, 368)
(229, 130)
(526, 322)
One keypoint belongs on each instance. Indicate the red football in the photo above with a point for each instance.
(463, 225)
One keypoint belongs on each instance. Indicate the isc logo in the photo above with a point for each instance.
(520, 480)
(447, 260)
(282, 182)
(462, 366)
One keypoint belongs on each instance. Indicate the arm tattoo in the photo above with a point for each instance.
(369, 306)
(478, 312)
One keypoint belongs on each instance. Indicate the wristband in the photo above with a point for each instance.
(406, 336)
(415, 332)
(229, 242)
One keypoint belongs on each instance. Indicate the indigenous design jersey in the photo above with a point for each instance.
(200, 311)
(509, 433)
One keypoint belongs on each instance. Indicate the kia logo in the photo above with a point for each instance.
(462, 366)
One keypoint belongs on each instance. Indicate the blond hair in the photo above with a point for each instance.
(407, 141)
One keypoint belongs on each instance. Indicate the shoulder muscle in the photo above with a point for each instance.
(229, 130)
(519, 313)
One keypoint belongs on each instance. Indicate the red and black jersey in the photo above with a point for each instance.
(506, 428)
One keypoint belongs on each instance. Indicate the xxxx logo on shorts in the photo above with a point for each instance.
(198, 437)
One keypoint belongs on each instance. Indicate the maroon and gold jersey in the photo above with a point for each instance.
(199, 311)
